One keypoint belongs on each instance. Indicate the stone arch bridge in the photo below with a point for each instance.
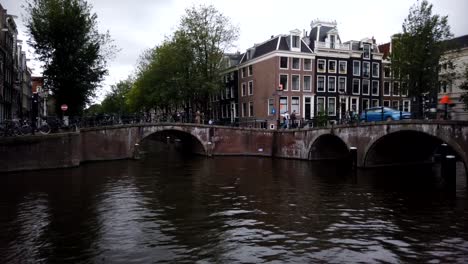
(377, 144)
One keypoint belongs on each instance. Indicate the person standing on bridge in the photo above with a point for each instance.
(197, 117)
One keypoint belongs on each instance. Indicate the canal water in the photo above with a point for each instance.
(176, 208)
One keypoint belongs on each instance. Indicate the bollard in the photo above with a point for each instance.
(353, 157)
(450, 172)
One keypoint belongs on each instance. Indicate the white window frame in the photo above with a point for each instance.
(389, 71)
(287, 81)
(324, 104)
(368, 87)
(405, 94)
(359, 87)
(389, 88)
(334, 84)
(345, 84)
(270, 108)
(369, 69)
(250, 72)
(292, 64)
(409, 105)
(324, 83)
(375, 74)
(345, 67)
(287, 104)
(304, 64)
(324, 65)
(251, 105)
(351, 104)
(243, 71)
(298, 110)
(329, 70)
(244, 109)
(298, 42)
(311, 106)
(328, 106)
(378, 87)
(393, 88)
(397, 105)
(366, 46)
(243, 89)
(250, 91)
(292, 83)
(287, 62)
(359, 68)
(309, 89)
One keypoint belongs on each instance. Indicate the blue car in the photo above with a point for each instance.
(389, 114)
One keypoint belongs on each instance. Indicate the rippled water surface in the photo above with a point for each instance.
(174, 208)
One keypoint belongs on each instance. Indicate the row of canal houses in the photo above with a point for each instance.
(309, 74)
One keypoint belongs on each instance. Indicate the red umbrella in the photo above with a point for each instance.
(445, 100)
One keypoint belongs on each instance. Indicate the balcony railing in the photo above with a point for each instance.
(329, 45)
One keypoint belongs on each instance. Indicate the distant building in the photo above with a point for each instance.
(451, 87)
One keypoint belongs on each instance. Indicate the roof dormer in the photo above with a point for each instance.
(295, 40)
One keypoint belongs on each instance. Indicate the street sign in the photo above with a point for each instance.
(64, 107)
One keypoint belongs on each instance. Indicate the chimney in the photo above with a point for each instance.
(272, 36)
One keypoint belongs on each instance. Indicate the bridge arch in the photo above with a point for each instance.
(328, 146)
(187, 138)
(407, 146)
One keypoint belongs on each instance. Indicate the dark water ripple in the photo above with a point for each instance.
(171, 208)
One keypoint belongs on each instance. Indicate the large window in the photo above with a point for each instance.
(387, 71)
(250, 70)
(331, 83)
(375, 88)
(284, 81)
(244, 109)
(295, 82)
(404, 89)
(251, 110)
(396, 88)
(243, 90)
(307, 64)
(356, 68)
(365, 87)
(386, 88)
(320, 65)
(283, 105)
(343, 67)
(356, 86)
(320, 83)
(295, 41)
(283, 62)
(366, 69)
(354, 104)
(406, 105)
(375, 69)
(243, 72)
(332, 66)
(295, 104)
(367, 48)
(296, 63)
(396, 104)
(307, 83)
(251, 88)
(320, 104)
(331, 106)
(342, 84)
(271, 106)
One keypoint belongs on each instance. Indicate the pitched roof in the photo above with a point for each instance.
(265, 47)
(385, 49)
(458, 42)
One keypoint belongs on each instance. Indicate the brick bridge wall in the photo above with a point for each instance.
(109, 143)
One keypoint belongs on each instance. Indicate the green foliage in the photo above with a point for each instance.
(418, 50)
(65, 38)
(115, 100)
(184, 70)
(322, 118)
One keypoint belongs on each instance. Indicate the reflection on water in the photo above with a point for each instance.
(172, 208)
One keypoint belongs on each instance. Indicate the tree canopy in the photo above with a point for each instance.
(185, 69)
(65, 38)
(418, 50)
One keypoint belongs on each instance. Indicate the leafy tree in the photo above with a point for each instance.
(65, 38)
(115, 100)
(184, 70)
(418, 50)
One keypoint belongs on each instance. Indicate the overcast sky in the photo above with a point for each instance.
(136, 25)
